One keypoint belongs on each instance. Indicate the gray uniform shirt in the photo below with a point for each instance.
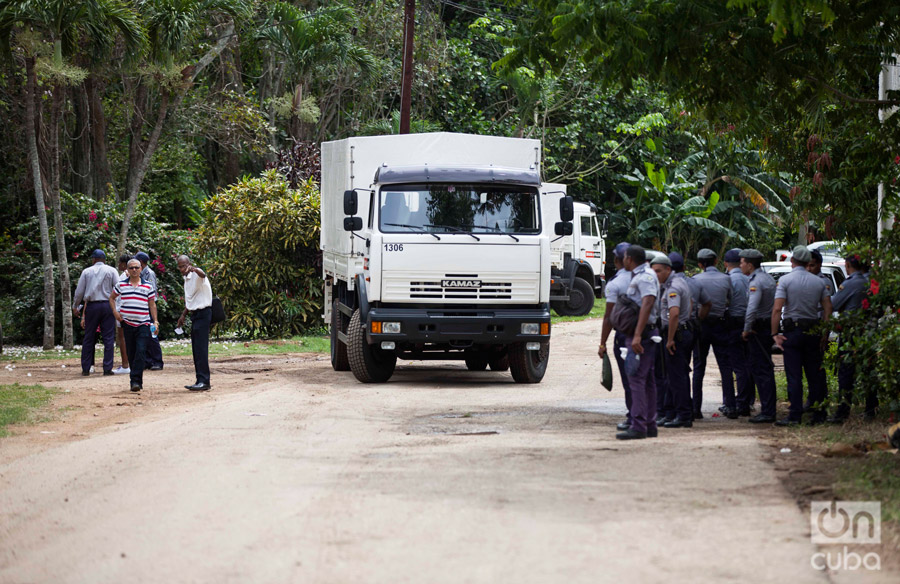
(740, 285)
(851, 293)
(96, 284)
(147, 275)
(694, 287)
(644, 283)
(760, 298)
(618, 285)
(802, 293)
(674, 292)
(715, 287)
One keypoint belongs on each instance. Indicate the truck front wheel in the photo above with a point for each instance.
(528, 366)
(369, 363)
(339, 359)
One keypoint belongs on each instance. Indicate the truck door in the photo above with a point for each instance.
(591, 247)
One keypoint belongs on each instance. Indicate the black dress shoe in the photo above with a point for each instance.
(787, 422)
(762, 419)
(652, 433)
(136, 387)
(679, 423)
(623, 425)
(731, 413)
(630, 434)
(198, 387)
(723, 409)
(156, 367)
(698, 415)
(660, 420)
(744, 412)
(108, 372)
(85, 373)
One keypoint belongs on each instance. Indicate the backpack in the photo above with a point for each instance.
(624, 317)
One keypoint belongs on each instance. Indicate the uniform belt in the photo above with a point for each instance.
(803, 324)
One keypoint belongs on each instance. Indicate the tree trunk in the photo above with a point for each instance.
(65, 286)
(82, 174)
(103, 179)
(141, 153)
(34, 163)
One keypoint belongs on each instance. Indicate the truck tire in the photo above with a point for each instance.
(339, 359)
(500, 363)
(476, 361)
(369, 363)
(581, 298)
(528, 366)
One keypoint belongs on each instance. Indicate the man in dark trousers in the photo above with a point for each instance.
(95, 285)
(800, 293)
(715, 297)
(761, 299)
(674, 307)
(737, 354)
(198, 303)
(848, 298)
(615, 287)
(154, 358)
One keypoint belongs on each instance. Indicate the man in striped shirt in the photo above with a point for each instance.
(137, 313)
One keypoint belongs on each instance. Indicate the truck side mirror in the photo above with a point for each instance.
(351, 203)
(566, 208)
(352, 223)
(563, 228)
(604, 226)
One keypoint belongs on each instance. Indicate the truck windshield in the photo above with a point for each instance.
(459, 208)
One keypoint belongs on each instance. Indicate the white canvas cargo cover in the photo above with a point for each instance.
(352, 162)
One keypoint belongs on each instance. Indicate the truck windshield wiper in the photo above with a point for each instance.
(457, 230)
(419, 227)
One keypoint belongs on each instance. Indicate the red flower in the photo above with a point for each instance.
(92, 217)
(874, 287)
(897, 159)
(75, 254)
(19, 242)
(865, 304)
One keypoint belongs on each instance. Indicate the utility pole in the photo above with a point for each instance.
(889, 80)
(409, 27)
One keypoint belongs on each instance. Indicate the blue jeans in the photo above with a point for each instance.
(136, 339)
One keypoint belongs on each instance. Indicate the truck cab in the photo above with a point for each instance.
(433, 260)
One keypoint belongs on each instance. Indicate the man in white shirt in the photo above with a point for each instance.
(198, 302)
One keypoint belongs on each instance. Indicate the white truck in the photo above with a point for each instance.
(434, 246)
(578, 261)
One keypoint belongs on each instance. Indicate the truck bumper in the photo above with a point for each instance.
(465, 327)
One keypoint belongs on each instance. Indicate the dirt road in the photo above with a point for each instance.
(290, 472)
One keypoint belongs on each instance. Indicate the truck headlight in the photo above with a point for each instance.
(531, 328)
(390, 327)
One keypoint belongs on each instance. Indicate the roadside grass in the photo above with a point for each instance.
(19, 403)
(182, 348)
(874, 477)
(596, 312)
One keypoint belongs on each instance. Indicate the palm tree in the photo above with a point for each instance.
(301, 43)
(171, 27)
(67, 26)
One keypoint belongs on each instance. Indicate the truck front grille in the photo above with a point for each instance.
(522, 288)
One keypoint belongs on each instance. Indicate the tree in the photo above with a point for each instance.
(170, 26)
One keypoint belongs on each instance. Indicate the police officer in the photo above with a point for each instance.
(715, 296)
(643, 290)
(815, 268)
(848, 298)
(674, 307)
(616, 286)
(757, 322)
(694, 321)
(737, 354)
(799, 293)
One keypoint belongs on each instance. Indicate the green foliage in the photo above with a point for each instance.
(261, 243)
(872, 335)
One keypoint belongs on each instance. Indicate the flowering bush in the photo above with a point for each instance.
(87, 224)
(873, 334)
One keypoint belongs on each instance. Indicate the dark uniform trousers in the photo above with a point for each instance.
(846, 379)
(674, 391)
(803, 354)
(98, 314)
(738, 369)
(200, 322)
(643, 389)
(713, 333)
(759, 353)
(619, 342)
